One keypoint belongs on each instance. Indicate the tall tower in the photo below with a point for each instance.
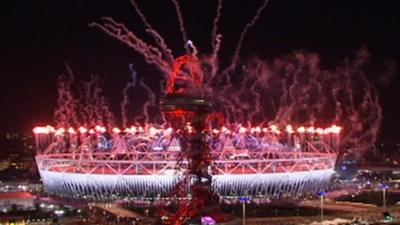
(186, 113)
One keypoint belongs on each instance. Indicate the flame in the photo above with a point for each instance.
(140, 129)
(274, 129)
(319, 131)
(153, 131)
(335, 129)
(60, 131)
(44, 130)
(71, 130)
(256, 130)
(168, 131)
(224, 129)
(50, 129)
(242, 130)
(100, 129)
(116, 130)
(82, 130)
(289, 129)
(131, 130)
(189, 128)
(310, 130)
(301, 130)
(41, 130)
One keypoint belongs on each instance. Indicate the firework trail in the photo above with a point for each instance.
(88, 102)
(225, 74)
(214, 56)
(157, 37)
(215, 40)
(125, 96)
(242, 106)
(306, 94)
(108, 116)
(97, 100)
(181, 24)
(88, 109)
(65, 114)
(301, 76)
(321, 91)
(192, 47)
(151, 102)
(214, 35)
(152, 54)
(94, 108)
(243, 34)
(257, 71)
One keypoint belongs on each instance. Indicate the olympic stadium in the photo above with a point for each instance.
(141, 162)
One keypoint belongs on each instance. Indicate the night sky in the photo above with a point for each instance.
(39, 37)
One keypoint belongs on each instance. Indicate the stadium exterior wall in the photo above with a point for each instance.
(110, 186)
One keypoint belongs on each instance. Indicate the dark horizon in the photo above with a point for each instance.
(40, 38)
